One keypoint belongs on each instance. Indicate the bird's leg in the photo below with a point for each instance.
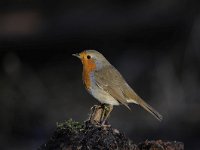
(103, 112)
(107, 111)
(96, 114)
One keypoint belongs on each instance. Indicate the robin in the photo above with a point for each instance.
(104, 82)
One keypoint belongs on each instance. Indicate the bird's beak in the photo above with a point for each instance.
(77, 55)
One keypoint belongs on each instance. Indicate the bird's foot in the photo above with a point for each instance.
(105, 124)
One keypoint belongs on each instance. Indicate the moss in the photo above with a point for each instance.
(72, 126)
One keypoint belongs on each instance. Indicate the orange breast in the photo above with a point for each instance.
(88, 68)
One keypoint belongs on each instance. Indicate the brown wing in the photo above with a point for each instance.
(111, 81)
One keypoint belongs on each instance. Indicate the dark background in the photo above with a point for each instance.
(154, 44)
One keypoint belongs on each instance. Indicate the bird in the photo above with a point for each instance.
(105, 83)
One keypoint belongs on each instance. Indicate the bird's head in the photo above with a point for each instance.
(92, 59)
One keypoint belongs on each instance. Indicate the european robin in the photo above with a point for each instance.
(104, 82)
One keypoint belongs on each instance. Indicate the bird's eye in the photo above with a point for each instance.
(88, 56)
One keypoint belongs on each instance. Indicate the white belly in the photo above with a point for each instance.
(103, 96)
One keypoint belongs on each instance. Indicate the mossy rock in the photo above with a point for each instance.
(73, 135)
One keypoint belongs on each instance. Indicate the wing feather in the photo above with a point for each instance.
(111, 81)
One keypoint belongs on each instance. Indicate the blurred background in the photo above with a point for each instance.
(154, 44)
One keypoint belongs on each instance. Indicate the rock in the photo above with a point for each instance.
(160, 145)
(71, 135)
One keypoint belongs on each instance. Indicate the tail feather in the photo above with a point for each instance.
(151, 110)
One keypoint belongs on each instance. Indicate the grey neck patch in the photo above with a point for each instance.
(101, 63)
